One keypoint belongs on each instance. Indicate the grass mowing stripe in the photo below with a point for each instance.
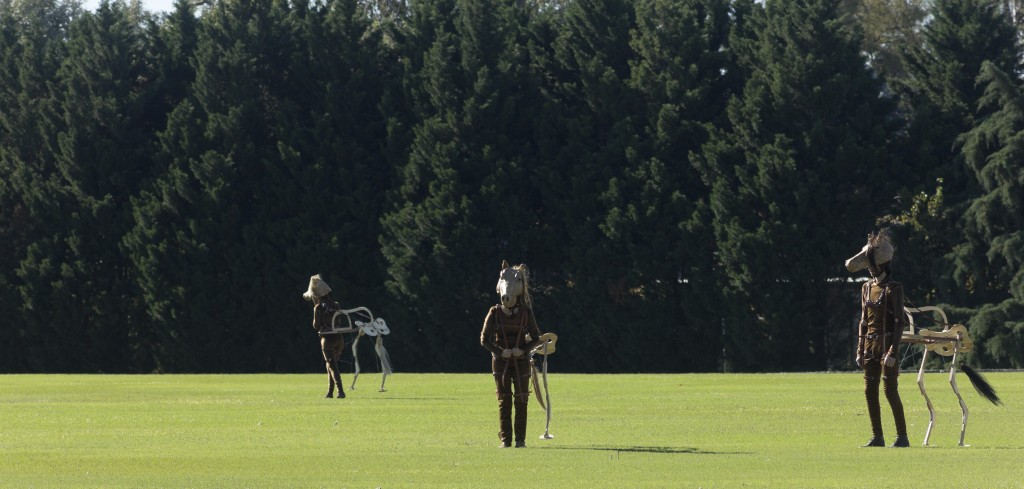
(439, 430)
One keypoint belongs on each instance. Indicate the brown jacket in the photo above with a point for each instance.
(323, 314)
(502, 332)
(881, 320)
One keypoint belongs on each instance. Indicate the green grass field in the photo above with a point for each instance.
(439, 430)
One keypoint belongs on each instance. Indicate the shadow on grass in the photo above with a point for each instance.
(975, 447)
(388, 398)
(668, 450)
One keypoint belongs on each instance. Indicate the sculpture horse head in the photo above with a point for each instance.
(514, 285)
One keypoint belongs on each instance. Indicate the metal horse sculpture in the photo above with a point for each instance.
(360, 320)
(951, 341)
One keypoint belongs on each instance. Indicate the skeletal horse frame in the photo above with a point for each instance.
(360, 320)
(951, 341)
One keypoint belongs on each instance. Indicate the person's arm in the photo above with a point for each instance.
(487, 334)
(862, 327)
(899, 319)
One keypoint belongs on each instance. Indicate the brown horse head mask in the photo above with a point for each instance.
(877, 252)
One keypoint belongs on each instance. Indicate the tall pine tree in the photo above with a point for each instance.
(201, 234)
(940, 98)
(795, 180)
(591, 107)
(464, 200)
(657, 214)
(990, 260)
(103, 156)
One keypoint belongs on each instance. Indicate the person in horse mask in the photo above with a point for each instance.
(510, 333)
(881, 327)
(331, 345)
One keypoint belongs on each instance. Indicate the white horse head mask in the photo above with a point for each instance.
(317, 289)
(513, 285)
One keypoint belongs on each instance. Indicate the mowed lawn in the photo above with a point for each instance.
(439, 430)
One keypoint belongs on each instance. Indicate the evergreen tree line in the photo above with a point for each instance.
(684, 178)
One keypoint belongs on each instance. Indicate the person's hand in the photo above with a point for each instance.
(516, 352)
(860, 361)
(506, 353)
(889, 360)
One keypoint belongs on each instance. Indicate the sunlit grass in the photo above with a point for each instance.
(439, 430)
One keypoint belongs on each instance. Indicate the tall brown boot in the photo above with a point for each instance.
(335, 374)
(330, 380)
(874, 409)
(505, 419)
(522, 401)
(892, 394)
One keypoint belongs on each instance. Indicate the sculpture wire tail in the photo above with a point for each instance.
(981, 385)
(382, 354)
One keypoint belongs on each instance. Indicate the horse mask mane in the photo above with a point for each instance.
(513, 286)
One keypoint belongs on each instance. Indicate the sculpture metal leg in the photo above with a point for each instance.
(385, 361)
(952, 382)
(547, 408)
(355, 358)
(931, 409)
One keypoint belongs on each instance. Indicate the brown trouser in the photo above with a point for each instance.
(873, 372)
(332, 346)
(508, 374)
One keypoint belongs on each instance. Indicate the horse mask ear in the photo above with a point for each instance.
(504, 264)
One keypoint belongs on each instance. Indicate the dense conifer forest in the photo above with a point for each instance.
(684, 178)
